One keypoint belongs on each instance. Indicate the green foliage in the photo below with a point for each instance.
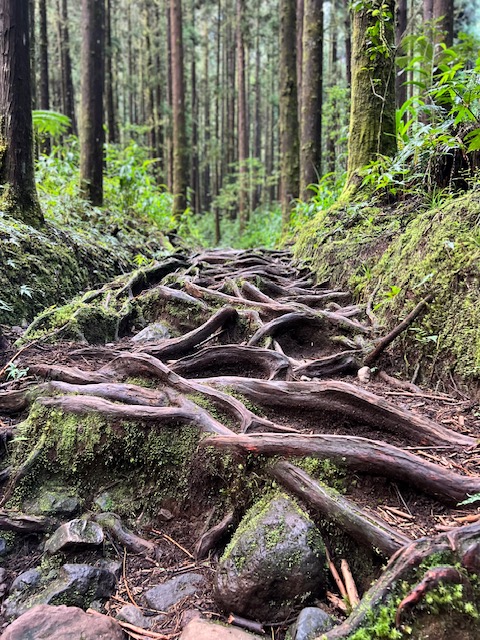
(50, 123)
(14, 372)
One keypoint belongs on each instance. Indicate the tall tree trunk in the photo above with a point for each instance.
(109, 79)
(332, 132)
(401, 32)
(44, 83)
(92, 86)
(33, 54)
(242, 120)
(299, 48)
(443, 17)
(372, 112)
(311, 119)
(218, 156)
(159, 93)
(348, 42)
(195, 179)
(68, 94)
(180, 155)
(17, 173)
(289, 140)
(257, 125)
(207, 196)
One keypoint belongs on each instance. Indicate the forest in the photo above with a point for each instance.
(239, 319)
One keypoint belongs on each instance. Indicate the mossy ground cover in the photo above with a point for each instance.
(51, 265)
(394, 256)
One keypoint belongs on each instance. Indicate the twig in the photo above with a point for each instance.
(390, 337)
(350, 585)
(401, 514)
(337, 602)
(160, 533)
(336, 575)
(129, 593)
(249, 625)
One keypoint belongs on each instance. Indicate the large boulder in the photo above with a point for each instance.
(76, 534)
(44, 622)
(274, 563)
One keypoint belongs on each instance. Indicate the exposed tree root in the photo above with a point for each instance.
(267, 301)
(360, 454)
(463, 544)
(365, 527)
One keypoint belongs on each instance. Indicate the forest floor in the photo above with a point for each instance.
(278, 357)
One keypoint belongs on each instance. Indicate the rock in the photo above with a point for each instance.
(3, 546)
(154, 331)
(53, 502)
(76, 533)
(275, 561)
(44, 622)
(104, 502)
(165, 515)
(3, 582)
(74, 584)
(205, 630)
(133, 615)
(310, 623)
(363, 374)
(169, 593)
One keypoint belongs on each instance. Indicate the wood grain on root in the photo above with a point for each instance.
(128, 539)
(178, 347)
(264, 362)
(324, 398)
(84, 405)
(364, 527)
(359, 454)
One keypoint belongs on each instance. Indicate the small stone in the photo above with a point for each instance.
(26, 580)
(165, 515)
(154, 331)
(169, 593)
(205, 630)
(131, 614)
(104, 502)
(364, 374)
(76, 533)
(3, 582)
(3, 546)
(311, 622)
(62, 623)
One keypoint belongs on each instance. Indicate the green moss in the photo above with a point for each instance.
(86, 452)
(395, 257)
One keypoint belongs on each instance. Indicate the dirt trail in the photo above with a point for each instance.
(271, 371)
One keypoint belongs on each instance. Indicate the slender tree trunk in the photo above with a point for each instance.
(311, 120)
(332, 132)
(207, 196)
(257, 125)
(67, 90)
(299, 47)
(44, 83)
(180, 155)
(348, 43)
(242, 120)
(92, 86)
(169, 136)
(159, 93)
(33, 55)
(289, 139)
(16, 130)
(443, 16)
(195, 179)
(109, 79)
(217, 174)
(401, 32)
(372, 112)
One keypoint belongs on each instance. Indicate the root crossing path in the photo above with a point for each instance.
(266, 363)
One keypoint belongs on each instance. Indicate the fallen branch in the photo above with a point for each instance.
(374, 355)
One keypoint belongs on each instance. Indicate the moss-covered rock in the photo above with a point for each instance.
(394, 257)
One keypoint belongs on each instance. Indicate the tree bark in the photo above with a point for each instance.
(372, 112)
(92, 87)
(242, 119)
(17, 172)
(311, 102)
(109, 79)
(289, 137)
(68, 94)
(180, 154)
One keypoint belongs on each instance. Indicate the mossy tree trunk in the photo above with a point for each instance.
(92, 135)
(311, 101)
(17, 173)
(289, 137)
(372, 111)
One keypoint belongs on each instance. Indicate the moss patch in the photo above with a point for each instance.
(395, 257)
